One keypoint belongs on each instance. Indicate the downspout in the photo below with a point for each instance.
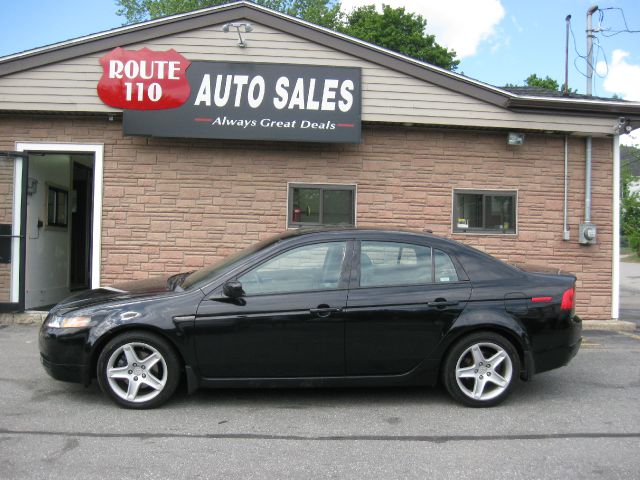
(615, 261)
(565, 226)
(587, 182)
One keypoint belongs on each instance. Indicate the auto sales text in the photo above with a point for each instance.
(302, 93)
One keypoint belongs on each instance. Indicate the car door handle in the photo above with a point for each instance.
(324, 311)
(441, 302)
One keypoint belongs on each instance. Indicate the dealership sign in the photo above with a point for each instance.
(164, 94)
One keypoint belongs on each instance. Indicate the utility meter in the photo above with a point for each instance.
(587, 234)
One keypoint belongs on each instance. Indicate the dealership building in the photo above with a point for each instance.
(164, 146)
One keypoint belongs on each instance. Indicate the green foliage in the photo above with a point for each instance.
(547, 82)
(140, 10)
(630, 205)
(394, 28)
(399, 31)
(320, 12)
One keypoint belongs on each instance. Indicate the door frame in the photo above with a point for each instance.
(19, 214)
(97, 150)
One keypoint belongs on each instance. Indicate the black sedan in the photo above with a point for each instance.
(343, 307)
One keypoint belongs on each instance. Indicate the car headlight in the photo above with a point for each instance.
(58, 321)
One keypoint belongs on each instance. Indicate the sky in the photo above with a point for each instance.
(497, 41)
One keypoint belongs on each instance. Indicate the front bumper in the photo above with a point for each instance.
(64, 372)
(63, 354)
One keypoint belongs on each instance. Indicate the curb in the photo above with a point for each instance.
(23, 318)
(609, 325)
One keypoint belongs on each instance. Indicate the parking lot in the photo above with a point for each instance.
(581, 421)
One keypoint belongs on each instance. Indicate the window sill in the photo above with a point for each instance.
(488, 233)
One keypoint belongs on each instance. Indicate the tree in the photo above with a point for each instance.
(320, 12)
(393, 28)
(630, 204)
(547, 82)
(399, 31)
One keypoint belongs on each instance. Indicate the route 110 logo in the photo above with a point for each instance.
(144, 79)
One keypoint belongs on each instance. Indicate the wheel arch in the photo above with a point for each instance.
(517, 339)
(102, 341)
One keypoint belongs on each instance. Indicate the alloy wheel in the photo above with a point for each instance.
(484, 371)
(136, 372)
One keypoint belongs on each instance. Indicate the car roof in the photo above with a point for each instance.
(371, 232)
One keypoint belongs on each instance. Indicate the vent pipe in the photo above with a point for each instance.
(566, 58)
(587, 231)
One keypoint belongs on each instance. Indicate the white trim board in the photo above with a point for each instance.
(98, 155)
(615, 257)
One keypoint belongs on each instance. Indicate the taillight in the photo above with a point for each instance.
(568, 299)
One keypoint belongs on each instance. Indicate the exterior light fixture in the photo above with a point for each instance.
(514, 138)
(238, 26)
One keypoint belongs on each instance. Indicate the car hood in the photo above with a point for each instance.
(116, 293)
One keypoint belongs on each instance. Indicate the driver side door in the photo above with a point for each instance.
(288, 323)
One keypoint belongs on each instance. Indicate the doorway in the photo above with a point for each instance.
(62, 221)
(59, 217)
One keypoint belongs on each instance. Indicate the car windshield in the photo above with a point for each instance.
(204, 275)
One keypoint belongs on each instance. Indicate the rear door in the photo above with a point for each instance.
(403, 297)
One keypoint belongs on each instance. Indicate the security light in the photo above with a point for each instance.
(245, 26)
(515, 138)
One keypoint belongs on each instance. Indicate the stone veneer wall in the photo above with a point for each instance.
(171, 205)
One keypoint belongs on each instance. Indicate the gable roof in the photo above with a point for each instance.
(152, 29)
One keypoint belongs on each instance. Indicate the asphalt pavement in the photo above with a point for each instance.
(630, 292)
(580, 421)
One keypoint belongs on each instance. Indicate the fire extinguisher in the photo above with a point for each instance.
(297, 212)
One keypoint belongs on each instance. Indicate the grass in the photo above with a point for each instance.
(630, 258)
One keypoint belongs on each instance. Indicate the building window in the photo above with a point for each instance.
(321, 205)
(57, 206)
(480, 211)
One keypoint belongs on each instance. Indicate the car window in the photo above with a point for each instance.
(305, 268)
(444, 269)
(393, 263)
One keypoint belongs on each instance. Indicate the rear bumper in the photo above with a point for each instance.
(555, 358)
(560, 355)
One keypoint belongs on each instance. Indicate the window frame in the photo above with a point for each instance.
(356, 267)
(512, 192)
(52, 192)
(345, 271)
(352, 187)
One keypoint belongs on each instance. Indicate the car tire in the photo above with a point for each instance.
(138, 370)
(481, 369)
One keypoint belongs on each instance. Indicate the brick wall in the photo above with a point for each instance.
(171, 205)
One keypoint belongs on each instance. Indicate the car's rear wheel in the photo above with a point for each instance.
(481, 369)
(138, 370)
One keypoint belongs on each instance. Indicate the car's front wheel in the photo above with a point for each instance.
(138, 370)
(481, 369)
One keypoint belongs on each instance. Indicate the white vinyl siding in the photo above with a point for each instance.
(388, 95)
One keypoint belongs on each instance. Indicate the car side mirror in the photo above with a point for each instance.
(233, 289)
